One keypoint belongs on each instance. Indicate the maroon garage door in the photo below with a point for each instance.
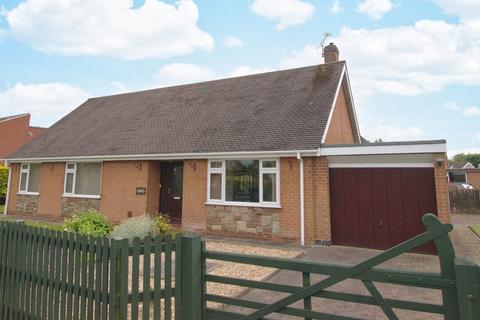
(380, 207)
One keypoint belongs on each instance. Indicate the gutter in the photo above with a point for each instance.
(302, 202)
(8, 190)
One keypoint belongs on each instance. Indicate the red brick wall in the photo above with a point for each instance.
(441, 187)
(14, 133)
(52, 181)
(118, 193)
(194, 213)
(473, 177)
(340, 129)
(290, 198)
(153, 188)
(12, 193)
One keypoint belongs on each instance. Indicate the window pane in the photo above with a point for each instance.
(270, 187)
(88, 179)
(71, 166)
(216, 186)
(269, 164)
(23, 181)
(24, 166)
(242, 180)
(216, 164)
(69, 183)
(177, 187)
(34, 179)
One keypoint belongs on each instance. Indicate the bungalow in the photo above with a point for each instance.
(274, 156)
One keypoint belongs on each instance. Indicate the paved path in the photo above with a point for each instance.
(466, 244)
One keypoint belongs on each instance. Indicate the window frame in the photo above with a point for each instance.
(261, 172)
(27, 181)
(74, 181)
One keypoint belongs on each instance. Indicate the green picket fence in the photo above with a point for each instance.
(47, 274)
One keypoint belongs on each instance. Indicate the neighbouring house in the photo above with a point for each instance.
(15, 131)
(274, 156)
(464, 172)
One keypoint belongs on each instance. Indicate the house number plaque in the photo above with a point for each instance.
(141, 191)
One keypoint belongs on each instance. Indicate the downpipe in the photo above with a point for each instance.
(302, 202)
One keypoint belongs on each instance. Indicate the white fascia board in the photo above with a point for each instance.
(173, 156)
(332, 109)
(384, 149)
(352, 104)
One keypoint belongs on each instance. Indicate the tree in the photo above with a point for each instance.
(473, 158)
(3, 180)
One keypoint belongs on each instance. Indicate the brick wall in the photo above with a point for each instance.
(473, 177)
(194, 214)
(441, 187)
(73, 205)
(340, 129)
(290, 198)
(52, 178)
(15, 133)
(118, 193)
(153, 188)
(12, 193)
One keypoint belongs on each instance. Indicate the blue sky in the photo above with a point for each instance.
(414, 65)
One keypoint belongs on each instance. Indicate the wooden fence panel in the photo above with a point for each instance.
(464, 201)
(48, 274)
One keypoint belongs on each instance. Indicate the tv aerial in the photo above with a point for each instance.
(322, 44)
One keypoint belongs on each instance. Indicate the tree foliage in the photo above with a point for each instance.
(3, 180)
(473, 158)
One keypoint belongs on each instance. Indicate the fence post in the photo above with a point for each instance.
(468, 285)
(191, 273)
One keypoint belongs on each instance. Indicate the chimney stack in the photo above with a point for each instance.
(330, 53)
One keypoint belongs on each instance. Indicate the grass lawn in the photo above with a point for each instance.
(1, 208)
(476, 229)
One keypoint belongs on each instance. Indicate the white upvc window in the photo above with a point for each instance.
(29, 178)
(82, 179)
(246, 182)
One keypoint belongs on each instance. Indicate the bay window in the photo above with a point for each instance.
(243, 182)
(29, 178)
(82, 179)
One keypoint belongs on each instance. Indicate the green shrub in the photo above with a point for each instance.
(90, 223)
(3, 180)
(141, 227)
(162, 223)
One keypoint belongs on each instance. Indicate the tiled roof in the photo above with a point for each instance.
(274, 111)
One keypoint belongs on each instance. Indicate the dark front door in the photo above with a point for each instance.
(380, 207)
(171, 191)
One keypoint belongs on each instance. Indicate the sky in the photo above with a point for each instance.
(414, 66)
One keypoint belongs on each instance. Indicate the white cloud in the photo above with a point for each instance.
(406, 60)
(246, 70)
(450, 105)
(233, 42)
(287, 13)
(181, 73)
(47, 102)
(465, 9)
(392, 133)
(110, 27)
(375, 9)
(336, 7)
(472, 111)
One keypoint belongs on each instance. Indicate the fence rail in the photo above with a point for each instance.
(464, 201)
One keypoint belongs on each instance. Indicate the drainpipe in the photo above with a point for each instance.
(302, 203)
(8, 188)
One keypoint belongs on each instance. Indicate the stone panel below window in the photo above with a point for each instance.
(71, 206)
(248, 220)
(26, 204)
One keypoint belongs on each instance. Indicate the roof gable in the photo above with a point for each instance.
(275, 111)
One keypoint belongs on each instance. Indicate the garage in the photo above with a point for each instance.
(379, 193)
(379, 207)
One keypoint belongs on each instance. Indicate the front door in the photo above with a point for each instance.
(171, 191)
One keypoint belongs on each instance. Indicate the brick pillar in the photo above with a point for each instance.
(194, 213)
(441, 186)
(12, 193)
(323, 226)
(52, 179)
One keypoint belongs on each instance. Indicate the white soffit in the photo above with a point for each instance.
(382, 161)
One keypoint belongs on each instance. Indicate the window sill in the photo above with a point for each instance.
(244, 204)
(84, 196)
(28, 193)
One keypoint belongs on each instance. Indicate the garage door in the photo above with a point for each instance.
(380, 207)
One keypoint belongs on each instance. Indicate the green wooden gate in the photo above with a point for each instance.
(459, 281)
